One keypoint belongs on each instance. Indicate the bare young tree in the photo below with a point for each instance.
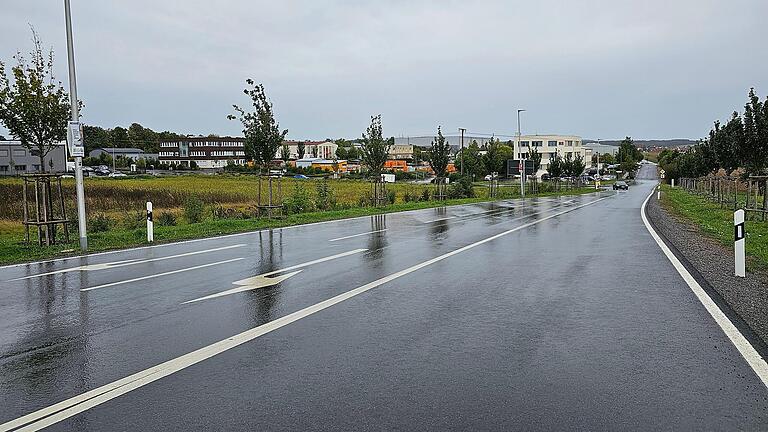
(34, 107)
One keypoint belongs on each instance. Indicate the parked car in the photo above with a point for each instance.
(300, 177)
(620, 185)
(117, 174)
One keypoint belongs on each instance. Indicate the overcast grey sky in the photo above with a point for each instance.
(599, 69)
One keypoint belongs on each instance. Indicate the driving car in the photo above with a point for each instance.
(620, 185)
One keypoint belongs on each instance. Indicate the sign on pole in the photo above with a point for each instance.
(739, 240)
(150, 223)
(75, 139)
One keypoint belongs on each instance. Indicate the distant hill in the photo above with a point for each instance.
(649, 143)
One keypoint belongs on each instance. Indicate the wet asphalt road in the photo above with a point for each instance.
(576, 322)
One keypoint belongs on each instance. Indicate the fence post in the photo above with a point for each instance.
(150, 223)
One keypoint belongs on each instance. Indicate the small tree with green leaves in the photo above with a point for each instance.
(374, 154)
(555, 167)
(34, 107)
(438, 156)
(285, 153)
(535, 156)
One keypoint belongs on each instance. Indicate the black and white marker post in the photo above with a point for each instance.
(739, 239)
(150, 223)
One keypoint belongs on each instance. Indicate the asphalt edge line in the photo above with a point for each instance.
(55, 413)
(753, 358)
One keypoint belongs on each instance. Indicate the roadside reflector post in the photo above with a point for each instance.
(673, 182)
(658, 191)
(150, 223)
(739, 239)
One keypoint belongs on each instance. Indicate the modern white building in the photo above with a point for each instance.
(548, 145)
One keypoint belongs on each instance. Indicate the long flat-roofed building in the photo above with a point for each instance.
(206, 152)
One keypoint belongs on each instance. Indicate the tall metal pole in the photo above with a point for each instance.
(462, 150)
(76, 117)
(519, 150)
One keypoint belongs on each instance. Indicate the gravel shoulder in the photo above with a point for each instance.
(714, 263)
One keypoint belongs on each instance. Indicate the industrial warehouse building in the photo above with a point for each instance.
(15, 159)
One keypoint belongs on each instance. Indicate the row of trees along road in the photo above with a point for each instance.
(740, 143)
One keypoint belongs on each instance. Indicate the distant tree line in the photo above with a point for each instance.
(135, 136)
(739, 144)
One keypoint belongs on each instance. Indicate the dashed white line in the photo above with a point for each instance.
(356, 235)
(70, 407)
(122, 282)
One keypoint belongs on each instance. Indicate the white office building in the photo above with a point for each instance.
(548, 145)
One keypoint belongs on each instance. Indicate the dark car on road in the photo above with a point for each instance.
(620, 185)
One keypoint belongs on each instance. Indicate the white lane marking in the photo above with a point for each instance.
(439, 220)
(116, 264)
(357, 235)
(249, 284)
(77, 404)
(268, 279)
(122, 282)
(753, 358)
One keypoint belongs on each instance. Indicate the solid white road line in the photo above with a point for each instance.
(117, 264)
(268, 279)
(357, 235)
(122, 282)
(753, 358)
(67, 408)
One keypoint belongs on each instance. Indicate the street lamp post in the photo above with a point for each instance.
(76, 118)
(462, 150)
(522, 163)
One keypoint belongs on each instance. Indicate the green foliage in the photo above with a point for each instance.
(99, 223)
(299, 201)
(375, 149)
(462, 188)
(555, 167)
(193, 210)
(166, 218)
(628, 156)
(285, 153)
(391, 196)
(577, 166)
(472, 160)
(439, 154)
(408, 196)
(134, 219)
(496, 155)
(262, 133)
(425, 195)
(535, 156)
(34, 107)
(301, 147)
(326, 199)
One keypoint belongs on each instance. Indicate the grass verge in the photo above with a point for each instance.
(13, 249)
(717, 223)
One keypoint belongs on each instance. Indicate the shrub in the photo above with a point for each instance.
(365, 199)
(299, 201)
(408, 197)
(461, 188)
(193, 210)
(99, 223)
(134, 220)
(391, 196)
(326, 199)
(166, 219)
(425, 195)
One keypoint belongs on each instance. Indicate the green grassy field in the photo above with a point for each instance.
(718, 223)
(121, 202)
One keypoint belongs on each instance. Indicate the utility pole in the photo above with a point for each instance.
(522, 163)
(462, 150)
(75, 108)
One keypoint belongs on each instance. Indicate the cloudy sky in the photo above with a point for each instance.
(595, 68)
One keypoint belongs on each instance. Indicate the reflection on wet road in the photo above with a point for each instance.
(556, 313)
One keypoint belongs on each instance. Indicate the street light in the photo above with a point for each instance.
(462, 150)
(522, 163)
(75, 119)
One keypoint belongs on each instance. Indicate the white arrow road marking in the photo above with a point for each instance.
(116, 264)
(268, 279)
(160, 274)
(67, 408)
(357, 235)
(249, 284)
